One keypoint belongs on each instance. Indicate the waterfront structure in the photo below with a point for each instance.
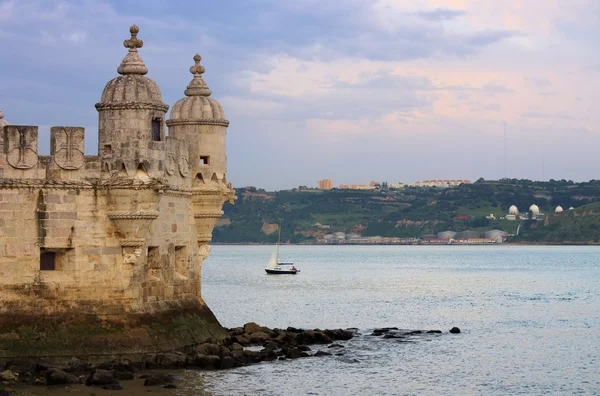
(101, 255)
(441, 183)
(325, 184)
(355, 187)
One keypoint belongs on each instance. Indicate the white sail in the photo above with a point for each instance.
(273, 261)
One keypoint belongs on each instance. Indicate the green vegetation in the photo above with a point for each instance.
(410, 212)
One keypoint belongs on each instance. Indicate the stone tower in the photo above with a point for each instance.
(102, 255)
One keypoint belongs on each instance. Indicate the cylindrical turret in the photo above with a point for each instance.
(3, 123)
(200, 120)
(132, 114)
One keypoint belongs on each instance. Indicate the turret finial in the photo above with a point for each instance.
(197, 86)
(133, 63)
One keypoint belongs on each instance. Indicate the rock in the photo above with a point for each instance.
(322, 353)
(236, 331)
(304, 348)
(5, 393)
(170, 360)
(58, 377)
(170, 386)
(235, 347)
(100, 377)
(393, 335)
(206, 362)
(22, 366)
(313, 337)
(434, 332)
(267, 355)
(294, 330)
(228, 362)
(295, 353)
(414, 332)
(252, 327)
(39, 382)
(259, 337)
(115, 386)
(241, 339)
(455, 330)
(339, 334)
(124, 364)
(159, 379)
(8, 375)
(209, 349)
(270, 345)
(335, 346)
(123, 375)
(282, 358)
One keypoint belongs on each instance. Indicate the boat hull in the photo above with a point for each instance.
(280, 271)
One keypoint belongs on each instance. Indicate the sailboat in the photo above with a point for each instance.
(274, 267)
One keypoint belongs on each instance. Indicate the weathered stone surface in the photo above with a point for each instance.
(158, 380)
(102, 254)
(58, 377)
(100, 377)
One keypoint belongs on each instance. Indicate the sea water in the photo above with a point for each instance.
(530, 318)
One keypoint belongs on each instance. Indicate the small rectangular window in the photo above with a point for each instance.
(156, 130)
(47, 261)
(181, 260)
(204, 160)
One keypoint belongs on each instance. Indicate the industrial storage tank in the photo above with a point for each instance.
(558, 209)
(495, 235)
(534, 209)
(513, 210)
(446, 235)
(467, 235)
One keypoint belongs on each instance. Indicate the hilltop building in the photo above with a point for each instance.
(441, 183)
(102, 255)
(355, 187)
(325, 184)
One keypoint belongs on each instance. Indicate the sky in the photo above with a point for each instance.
(353, 90)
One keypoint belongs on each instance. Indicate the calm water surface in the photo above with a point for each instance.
(530, 318)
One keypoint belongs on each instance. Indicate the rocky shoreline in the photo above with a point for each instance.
(250, 344)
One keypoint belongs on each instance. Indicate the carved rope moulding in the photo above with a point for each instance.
(133, 106)
(224, 123)
(132, 215)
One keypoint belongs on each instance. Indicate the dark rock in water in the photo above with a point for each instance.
(159, 379)
(339, 334)
(122, 375)
(335, 346)
(250, 328)
(270, 345)
(282, 358)
(267, 355)
(295, 353)
(206, 362)
(434, 332)
(455, 330)
(258, 337)
(236, 331)
(393, 335)
(208, 349)
(170, 386)
(304, 348)
(58, 377)
(112, 387)
(414, 332)
(235, 347)
(100, 377)
(228, 362)
(125, 365)
(313, 337)
(384, 329)
(322, 353)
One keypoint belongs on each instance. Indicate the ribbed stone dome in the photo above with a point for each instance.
(132, 87)
(197, 106)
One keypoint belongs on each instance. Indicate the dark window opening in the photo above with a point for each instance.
(156, 130)
(47, 261)
(153, 257)
(204, 160)
(107, 149)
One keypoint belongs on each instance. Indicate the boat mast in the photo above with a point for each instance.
(278, 239)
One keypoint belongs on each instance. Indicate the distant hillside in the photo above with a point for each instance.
(410, 212)
(579, 226)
